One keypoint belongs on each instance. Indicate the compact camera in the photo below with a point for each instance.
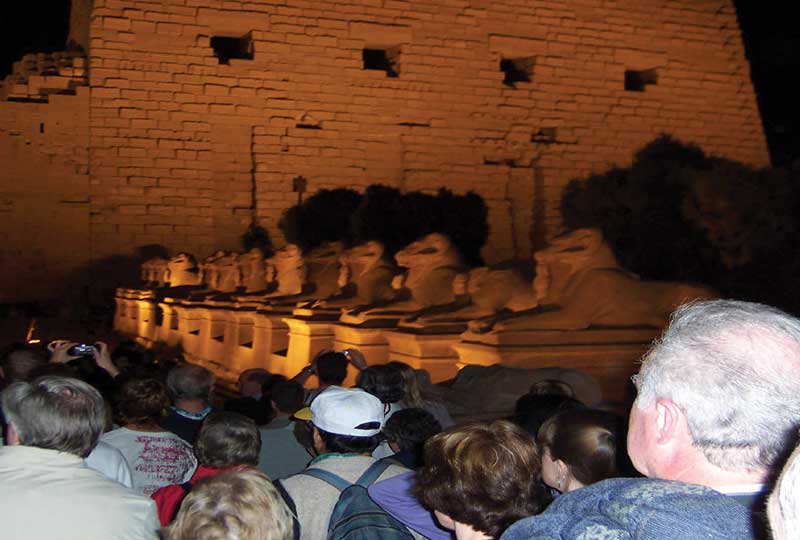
(82, 349)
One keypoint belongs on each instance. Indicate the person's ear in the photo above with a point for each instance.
(669, 420)
(316, 438)
(12, 437)
(562, 468)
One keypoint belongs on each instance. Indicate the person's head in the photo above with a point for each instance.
(331, 368)
(141, 400)
(190, 382)
(551, 387)
(382, 381)
(55, 413)
(485, 476)
(407, 430)
(20, 361)
(251, 380)
(226, 439)
(783, 506)
(234, 505)
(719, 390)
(579, 447)
(414, 395)
(531, 410)
(344, 420)
(271, 382)
(287, 397)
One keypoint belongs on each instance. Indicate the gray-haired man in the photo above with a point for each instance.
(47, 490)
(717, 412)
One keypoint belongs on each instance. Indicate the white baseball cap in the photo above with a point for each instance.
(345, 411)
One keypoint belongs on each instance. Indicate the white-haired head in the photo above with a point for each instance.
(734, 369)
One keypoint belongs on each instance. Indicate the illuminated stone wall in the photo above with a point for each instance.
(185, 150)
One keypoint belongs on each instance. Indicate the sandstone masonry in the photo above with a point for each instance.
(200, 113)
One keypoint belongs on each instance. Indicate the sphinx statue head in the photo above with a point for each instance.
(153, 271)
(365, 267)
(432, 262)
(182, 270)
(322, 263)
(581, 250)
(208, 270)
(286, 268)
(252, 271)
(226, 273)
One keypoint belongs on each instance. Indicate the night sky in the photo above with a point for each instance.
(770, 30)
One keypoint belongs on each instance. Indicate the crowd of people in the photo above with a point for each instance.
(113, 445)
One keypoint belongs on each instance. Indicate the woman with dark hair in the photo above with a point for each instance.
(580, 447)
(156, 457)
(480, 478)
(386, 384)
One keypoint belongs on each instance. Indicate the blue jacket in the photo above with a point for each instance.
(640, 509)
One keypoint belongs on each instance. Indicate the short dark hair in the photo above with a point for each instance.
(347, 444)
(331, 367)
(382, 381)
(20, 361)
(486, 476)
(288, 396)
(588, 441)
(270, 382)
(141, 399)
(531, 410)
(411, 428)
(228, 438)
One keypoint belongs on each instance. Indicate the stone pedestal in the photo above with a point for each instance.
(258, 336)
(610, 355)
(432, 352)
(168, 330)
(370, 341)
(186, 333)
(306, 339)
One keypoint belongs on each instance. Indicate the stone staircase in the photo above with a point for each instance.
(38, 75)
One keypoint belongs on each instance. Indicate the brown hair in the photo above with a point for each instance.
(486, 476)
(140, 400)
(227, 438)
(586, 440)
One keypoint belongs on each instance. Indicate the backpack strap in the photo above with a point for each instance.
(328, 477)
(292, 508)
(372, 473)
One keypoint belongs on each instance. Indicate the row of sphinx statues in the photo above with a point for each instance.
(576, 283)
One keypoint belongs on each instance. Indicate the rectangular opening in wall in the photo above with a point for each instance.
(173, 322)
(246, 333)
(637, 81)
(218, 331)
(159, 316)
(516, 70)
(387, 60)
(226, 48)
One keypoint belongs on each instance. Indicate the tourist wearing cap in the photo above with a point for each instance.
(346, 424)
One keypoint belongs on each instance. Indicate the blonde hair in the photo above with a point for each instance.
(234, 505)
(418, 387)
